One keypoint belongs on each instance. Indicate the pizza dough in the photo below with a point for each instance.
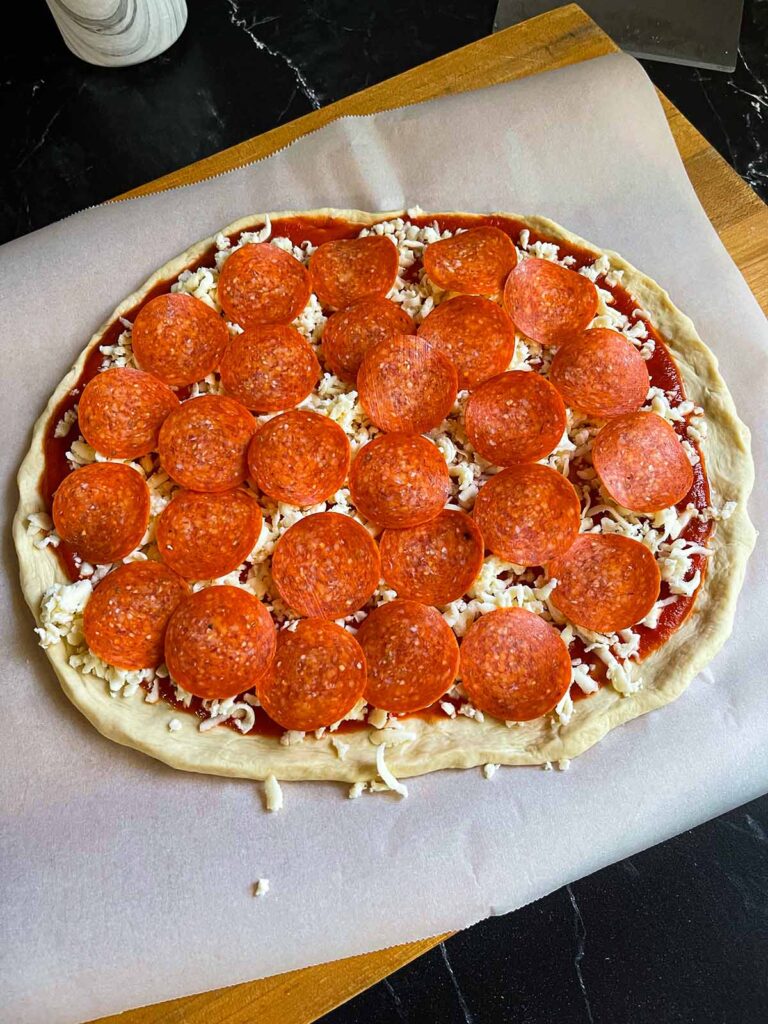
(458, 742)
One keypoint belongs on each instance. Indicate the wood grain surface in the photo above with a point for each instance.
(553, 40)
(297, 997)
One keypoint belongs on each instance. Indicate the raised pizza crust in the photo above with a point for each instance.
(459, 742)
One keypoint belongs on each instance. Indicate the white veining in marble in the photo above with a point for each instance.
(119, 32)
(241, 21)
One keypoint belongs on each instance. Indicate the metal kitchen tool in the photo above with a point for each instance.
(702, 33)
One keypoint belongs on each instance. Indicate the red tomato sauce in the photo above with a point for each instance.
(662, 369)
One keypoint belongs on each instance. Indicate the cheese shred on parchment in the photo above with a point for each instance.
(273, 794)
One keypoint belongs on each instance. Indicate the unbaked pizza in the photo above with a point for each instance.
(357, 496)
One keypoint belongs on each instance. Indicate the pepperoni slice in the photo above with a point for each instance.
(641, 463)
(121, 411)
(349, 269)
(476, 261)
(204, 536)
(102, 511)
(605, 582)
(399, 480)
(326, 565)
(515, 417)
(514, 665)
(317, 677)
(528, 514)
(600, 373)
(475, 334)
(406, 384)
(412, 656)
(261, 284)
(299, 457)
(436, 562)
(349, 334)
(203, 444)
(548, 302)
(178, 338)
(125, 619)
(219, 642)
(270, 368)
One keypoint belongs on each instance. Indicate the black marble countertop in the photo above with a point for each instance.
(676, 935)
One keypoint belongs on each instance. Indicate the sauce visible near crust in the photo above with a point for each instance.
(664, 375)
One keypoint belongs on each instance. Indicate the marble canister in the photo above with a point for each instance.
(119, 32)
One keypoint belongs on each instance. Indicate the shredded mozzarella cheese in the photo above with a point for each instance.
(386, 775)
(499, 584)
(273, 794)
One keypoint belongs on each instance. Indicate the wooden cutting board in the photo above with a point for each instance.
(553, 40)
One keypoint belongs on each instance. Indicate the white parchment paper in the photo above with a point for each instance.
(125, 882)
